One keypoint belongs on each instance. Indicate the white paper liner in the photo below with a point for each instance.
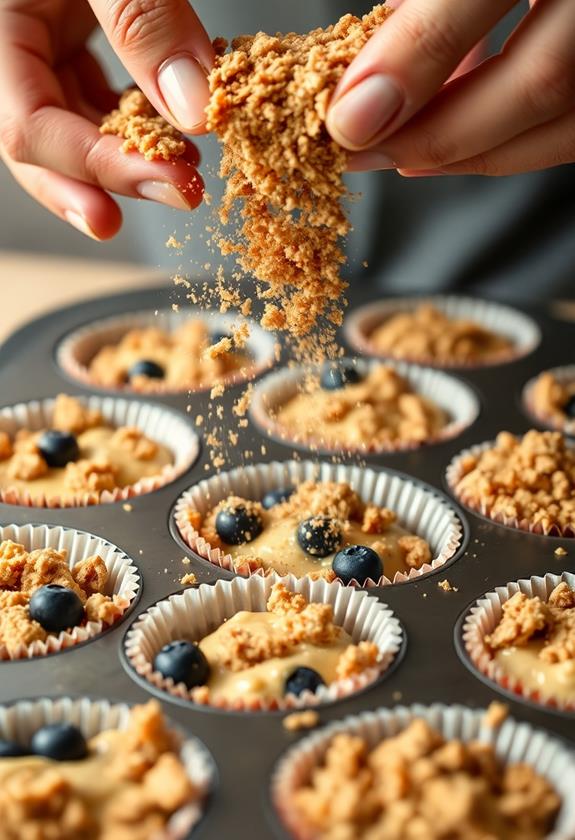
(459, 402)
(513, 742)
(418, 508)
(564, 374)
(194, 613)
(123, 579)
(19, 722)
(162, 425)
(498, 318)
(455, 473)
(484, 616)
(78, 348)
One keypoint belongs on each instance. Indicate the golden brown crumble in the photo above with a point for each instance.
(134, 441)
(143, 129)
(70, 415)
(549, 398)
(26, 466)
(417, 784)
(529, 479)
(188, 579)
(308, 719)
(495, 714)
(91, 476)
(269, 100)
(100, 607)
(447, 586)
(426, 333)
(357, 658)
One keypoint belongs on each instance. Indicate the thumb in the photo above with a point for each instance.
(166, 50)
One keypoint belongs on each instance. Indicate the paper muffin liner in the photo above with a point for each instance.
(481, 620)
(162, 425)
(123, 580)
(419, 509)
(458, 400)
(513, 742)
(498, 318)
(563, 374)
(455, 472)
(194, 613)
(78, 348)
(18, 723)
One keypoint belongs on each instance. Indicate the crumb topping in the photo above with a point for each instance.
(550, 397)
(70, 415)
(297, 721)
(143, 130)
(89, 475)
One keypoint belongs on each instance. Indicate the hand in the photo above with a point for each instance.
(396, 107)
(53, 94)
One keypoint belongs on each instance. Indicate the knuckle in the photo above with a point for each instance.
(13, 139)
(438, 42)
(136, 23)
(548, 86)
(433, 151)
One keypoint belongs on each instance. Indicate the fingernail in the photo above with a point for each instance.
(184, 86)
(80, 223)
(364, 111)
(420, 173)
(164, 193)
(369, 161)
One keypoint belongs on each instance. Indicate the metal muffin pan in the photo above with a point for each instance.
(246, 746)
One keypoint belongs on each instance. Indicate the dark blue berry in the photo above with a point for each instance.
(335, 375)
(275, 497)
(238, 524)
(59, 741)
(145, 367)
(569, 407)
(319, 535)
(357, 562)
(56, 608)
(184, 662)
(58, 448)
(303, 679)
(10, 749)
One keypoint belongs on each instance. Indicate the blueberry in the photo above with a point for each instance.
(10, 749)
(236, 524)
(569, 407)
(336, 375)
(59, 741)
(56, 608)
(276, 497)
(58, 448)
(145, 367)
(184, 662)
(319, 535)
(303, 679)
(357, 562)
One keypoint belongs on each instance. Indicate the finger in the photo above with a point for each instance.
(531, 83)
(89, 209)
(93, 82)
(166, 50)
(404, 64)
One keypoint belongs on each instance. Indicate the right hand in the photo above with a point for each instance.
(53, 94)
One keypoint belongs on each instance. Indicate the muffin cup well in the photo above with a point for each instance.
(78, 348)
(481, 620)
(418, 507)
(194, 613)
(19, 721)
(457, 399)
(498, 318)
(123, 580)
(455, 472)
(162, 425)
(565, 373)
(513, 742)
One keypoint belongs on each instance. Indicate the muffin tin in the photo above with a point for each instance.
(245, 747)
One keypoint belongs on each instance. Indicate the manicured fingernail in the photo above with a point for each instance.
(80, 223)
(421, 173)
(369, 161)
(364, 111)
(184, 86)
(164, 193)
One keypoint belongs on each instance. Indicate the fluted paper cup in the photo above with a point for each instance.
(19, 721)
(458, 401)
(78, 348)
(162, 425)
(502, 320)
(419, 509)
(513, 742)
(482, 619)
(124, 580)
(194, 613)
(564, 375)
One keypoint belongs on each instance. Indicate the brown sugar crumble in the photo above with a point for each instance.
(528, 480)
(283, 172)
(550, 397)
(418, 784)
(143, 130)
(188, 579)
(447, 586)
(298, 721)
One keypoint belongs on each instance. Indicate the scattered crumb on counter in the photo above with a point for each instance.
(560, 551)
(128, 507)
(396, 696)
(446, 586)
(495, 714)
(186, 561)
(188, 579)
(297, 721)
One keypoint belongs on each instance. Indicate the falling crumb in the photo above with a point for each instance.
(220, 348)
(186, 561)
(233, 437)
(396, 696)
(241, 405)
(301, 720)
(263, 449)
(199, 419)
(127, 507)
(181, 281)
(425, 594)
(217, 391)
(495, 714)
(365, 264)
(188, 580)
(560, 551)
(446, 586)
(175, 307)
(172, 242)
